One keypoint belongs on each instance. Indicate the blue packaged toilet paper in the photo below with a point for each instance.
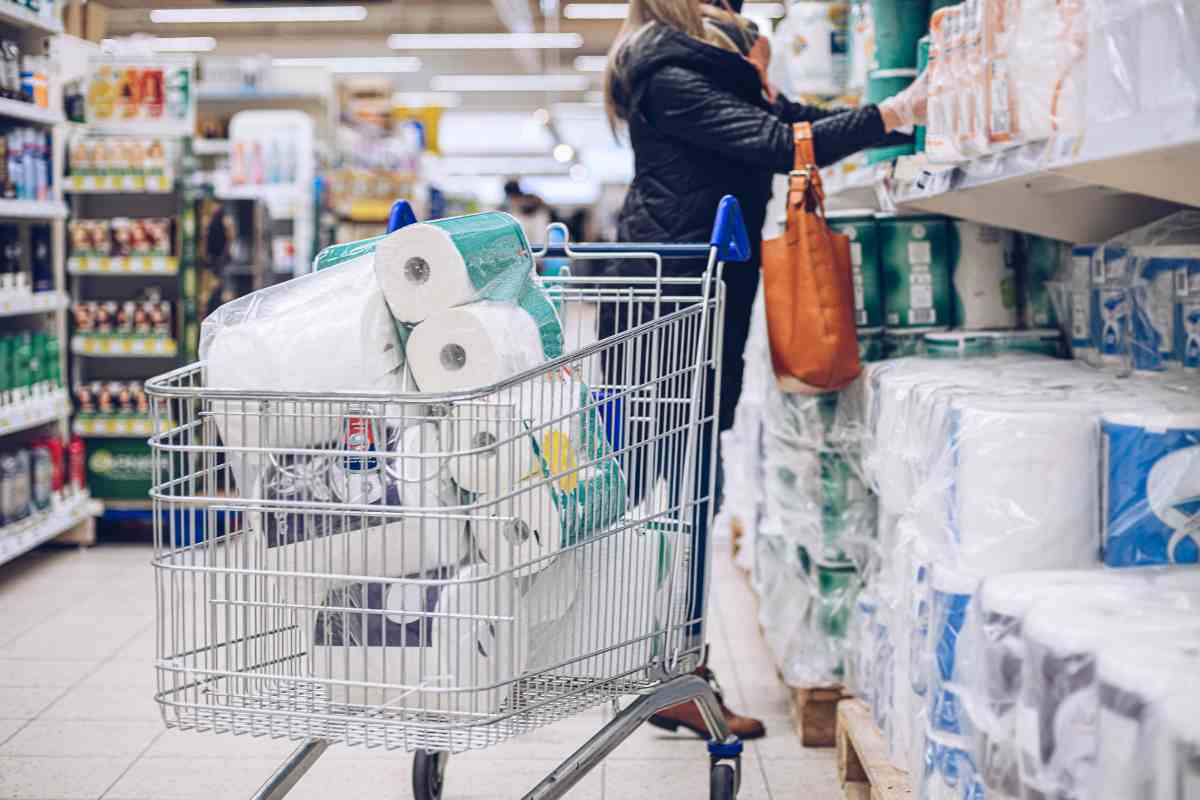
(1152, 329)
(1151, 489)
(1110, 303)
(950, 600)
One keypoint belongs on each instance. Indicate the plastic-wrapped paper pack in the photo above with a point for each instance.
(430, 267)
(324, 332)
(1056, 720)
(948, 771)
(809, 49)
(1136, 677)
(863, 648)
(950, 596)
(409, 532)
(1050, 68)
(1168, 55)
(619, 610)
(993, 659)
(473, 346)
(441, 641)
(1151, 488)
(1177, 757)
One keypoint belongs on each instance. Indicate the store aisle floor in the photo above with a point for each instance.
(78, 719)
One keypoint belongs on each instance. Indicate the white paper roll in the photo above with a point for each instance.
(522, 532)
(476, 345)
(458, 632)
(491, 444)
(422, 272)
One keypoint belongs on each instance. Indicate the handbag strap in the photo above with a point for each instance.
(804, 181)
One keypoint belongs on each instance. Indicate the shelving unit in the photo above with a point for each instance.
(40, 410)
(112, 353)
(1074, 188)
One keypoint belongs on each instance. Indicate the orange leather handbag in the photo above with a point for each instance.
(809, 288)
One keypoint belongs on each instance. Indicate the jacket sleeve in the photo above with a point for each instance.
(682, 104)
(790, 111)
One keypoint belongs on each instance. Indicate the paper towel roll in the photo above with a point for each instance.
(491, 445)
(429, 267)
(446, 630)
(985, 277)
(473, 346)
(1151, 486)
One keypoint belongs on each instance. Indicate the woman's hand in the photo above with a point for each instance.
(903, 111)
(760, 57)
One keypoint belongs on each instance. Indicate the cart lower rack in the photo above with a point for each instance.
(438, 573)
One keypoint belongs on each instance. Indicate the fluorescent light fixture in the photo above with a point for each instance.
(427, 99)
(164, 44)
(619, 10)
(502, 165)
(179, 16)
(510, 83)
(591, 63)
(351, 64)
(485, 41)
(563, 153)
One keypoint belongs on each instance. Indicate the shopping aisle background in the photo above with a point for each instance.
(78, 719)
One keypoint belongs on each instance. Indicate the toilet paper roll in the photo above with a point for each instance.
(1151, 488)
(491, 444)
(430, 267)
(334, 324)
(1135, 676)
(985, 277)
(448, 641)
(949, 771)
(950, 599)
(473, 346)
(521, 533)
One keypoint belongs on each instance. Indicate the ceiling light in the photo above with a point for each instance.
(510, 83)
(619, 10)
(177, 16)
(501, 165)
(563, 153)
(360, 64)
(163, 44)
(484, 41)
(427, 99)
(591, 63)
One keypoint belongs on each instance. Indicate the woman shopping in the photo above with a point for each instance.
(687, 82)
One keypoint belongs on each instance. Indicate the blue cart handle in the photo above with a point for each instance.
(729, 237)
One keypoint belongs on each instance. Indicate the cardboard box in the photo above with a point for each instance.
(95, 21)
(73, 19)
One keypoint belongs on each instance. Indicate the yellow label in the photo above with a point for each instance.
(560, 456)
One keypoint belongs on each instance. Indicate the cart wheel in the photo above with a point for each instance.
(722, 782)
(429, 773)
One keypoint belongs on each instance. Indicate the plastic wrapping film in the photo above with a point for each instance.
(1133, 303)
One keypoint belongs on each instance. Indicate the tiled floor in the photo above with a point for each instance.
(77, 718)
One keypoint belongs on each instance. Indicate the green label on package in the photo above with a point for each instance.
(915, 255)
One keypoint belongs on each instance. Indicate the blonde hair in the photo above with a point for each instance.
(686, 16)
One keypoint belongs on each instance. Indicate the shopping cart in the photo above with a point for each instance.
(438, 573)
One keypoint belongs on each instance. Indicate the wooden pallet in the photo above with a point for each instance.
(814, 714)
(862, 754)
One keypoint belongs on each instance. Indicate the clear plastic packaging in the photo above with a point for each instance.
(1050, 68)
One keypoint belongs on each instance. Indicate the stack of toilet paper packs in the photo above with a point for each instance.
(1005, 485)
(794, 490)
(464, 493)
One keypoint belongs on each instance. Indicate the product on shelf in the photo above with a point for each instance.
(35, 81)
(42, 260)
(111, 398)
(148, 316)
(25, 163)
(117, 155)
(132, 93)
(120, 236)
(29, 364)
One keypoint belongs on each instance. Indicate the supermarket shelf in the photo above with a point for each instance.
(32, 209)
(82, 184)
(32, 303)
(21, 537)
(854, 189)
(211, 147)
(28, 112)
(114, 427)
(123, 346)
(122, 265)
(25, 414)
(18, 16)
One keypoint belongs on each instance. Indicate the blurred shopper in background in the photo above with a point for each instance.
(687, 83)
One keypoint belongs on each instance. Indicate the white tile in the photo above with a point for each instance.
(812, 779)
(476, 775)
(10, 726)
(103, 703)
(676, 778)
(83, 739)
(25, 703)
(198, 744)
(27, 778)
(123, 673)
(191, 779)
(35, 673)
(781, 741)
(70, 639)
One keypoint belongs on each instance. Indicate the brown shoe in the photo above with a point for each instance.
(688, 716)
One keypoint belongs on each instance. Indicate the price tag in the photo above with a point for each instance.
(138, 346)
